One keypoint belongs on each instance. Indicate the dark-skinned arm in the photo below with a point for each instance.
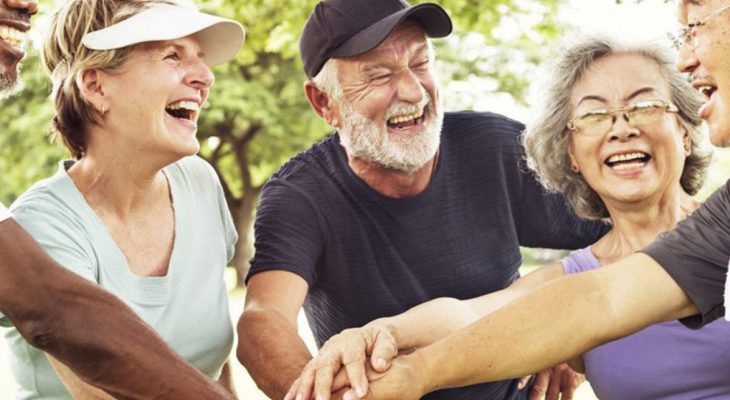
(88, 329)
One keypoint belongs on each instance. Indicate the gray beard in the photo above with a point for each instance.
(8, 86)
(370, 141)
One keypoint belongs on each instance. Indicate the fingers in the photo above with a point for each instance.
(384, 351)
(555, 384)
(355, 359)
(523, 382)
(340, 381)
(570, 382)
(540, 387)
(357, 377)
(301, 389)
(292, 393)
(323, 383)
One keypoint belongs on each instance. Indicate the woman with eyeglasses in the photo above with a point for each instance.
(619, 138)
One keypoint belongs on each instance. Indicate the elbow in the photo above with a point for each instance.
(38, 326)
(40, 333)
(247, 325)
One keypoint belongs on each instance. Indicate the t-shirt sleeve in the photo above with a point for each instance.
(696, 255)
(59, 236)
(4, 213)
(287, 232)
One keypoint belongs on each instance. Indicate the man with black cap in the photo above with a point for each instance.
(68, 317)
(405, 203)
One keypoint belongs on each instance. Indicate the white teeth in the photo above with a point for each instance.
(404, 118)
(625, 157)
(623, 167)
(706, 89)
(12, 36)
(184, 105)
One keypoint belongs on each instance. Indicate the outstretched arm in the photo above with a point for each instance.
(602, 304)
(87, 328)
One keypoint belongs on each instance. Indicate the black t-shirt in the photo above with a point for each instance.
(696, 255)
(367, 256)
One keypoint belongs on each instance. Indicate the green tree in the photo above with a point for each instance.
(258, 116)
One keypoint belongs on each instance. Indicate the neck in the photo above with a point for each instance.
(119, 179)
(636, 225)
(392, 183)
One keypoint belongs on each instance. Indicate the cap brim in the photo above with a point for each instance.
(220, 38)
(433, 19)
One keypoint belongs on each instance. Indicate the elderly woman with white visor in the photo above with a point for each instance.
(135, 210)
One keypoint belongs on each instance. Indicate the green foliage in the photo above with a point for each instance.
(26, 154)
(258, 116)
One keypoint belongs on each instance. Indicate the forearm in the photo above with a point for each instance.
(270, 348)
(600, 306)
(88, 329)
(428, 322)
(438, 318)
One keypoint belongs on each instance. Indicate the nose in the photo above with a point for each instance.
(200, 76)
(409, 87)
(29, 7)
(622, 130)
(686, 59)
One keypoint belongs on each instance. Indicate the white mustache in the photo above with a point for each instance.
(403, 108)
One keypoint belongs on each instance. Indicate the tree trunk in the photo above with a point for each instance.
(243, 218)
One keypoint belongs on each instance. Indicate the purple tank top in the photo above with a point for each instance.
(663, 361)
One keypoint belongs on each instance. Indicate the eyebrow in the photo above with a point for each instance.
(641, 91)
(647, 89)
(168, 46)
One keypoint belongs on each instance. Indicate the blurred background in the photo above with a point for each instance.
(258, 117)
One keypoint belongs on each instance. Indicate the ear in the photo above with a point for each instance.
(687, 144)
(323, 104)
(90, 83)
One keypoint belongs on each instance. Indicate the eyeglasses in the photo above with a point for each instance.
(687, 32)
(598, 122)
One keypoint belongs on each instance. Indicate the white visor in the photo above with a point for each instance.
(220, 38)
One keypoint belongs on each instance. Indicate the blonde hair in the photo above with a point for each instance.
(66, 58)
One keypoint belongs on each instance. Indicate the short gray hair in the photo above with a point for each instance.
(547, 139)
(327, 80)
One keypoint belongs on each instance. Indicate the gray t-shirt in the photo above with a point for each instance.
(696, 255)
(188, 307)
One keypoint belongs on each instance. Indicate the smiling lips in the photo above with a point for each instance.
(406, 120)
(12, 36)
(627, 161)
(184, 109)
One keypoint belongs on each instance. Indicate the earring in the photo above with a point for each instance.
(103, 110)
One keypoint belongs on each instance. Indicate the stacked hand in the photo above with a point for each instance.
(363, 363)
(344, 361)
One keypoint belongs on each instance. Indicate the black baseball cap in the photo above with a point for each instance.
(345, 28)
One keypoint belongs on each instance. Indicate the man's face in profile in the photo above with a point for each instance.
(14, 25)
